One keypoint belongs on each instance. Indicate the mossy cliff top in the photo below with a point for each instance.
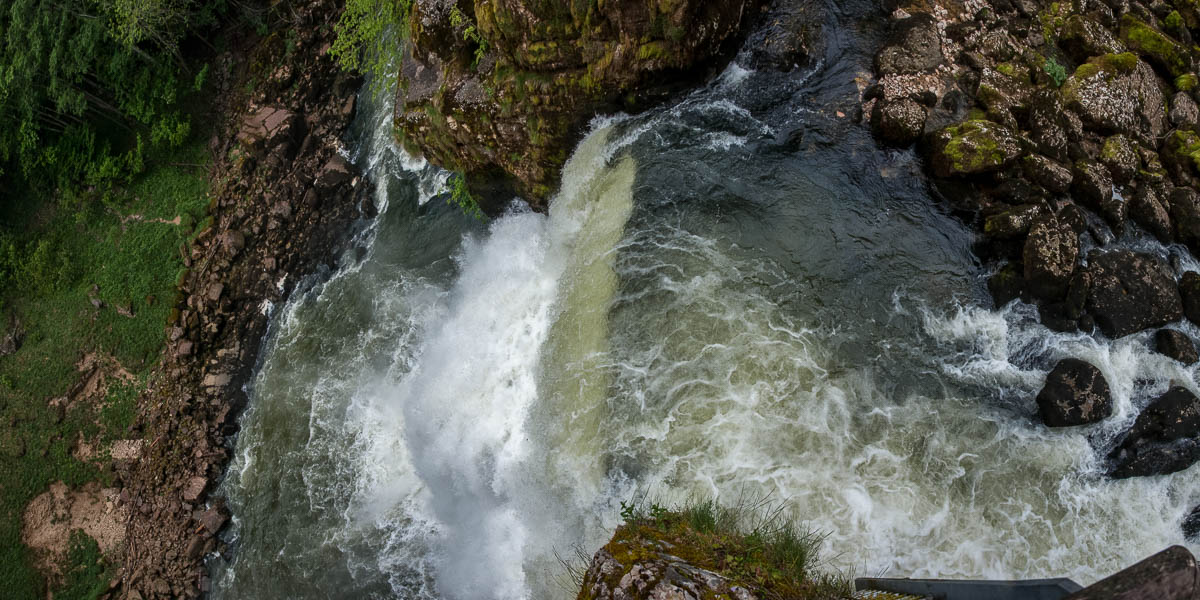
(708, 552)
(500, 90)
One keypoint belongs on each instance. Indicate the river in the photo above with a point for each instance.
(739, 295)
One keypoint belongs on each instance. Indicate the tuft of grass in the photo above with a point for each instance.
(87, 573)
(751, 542)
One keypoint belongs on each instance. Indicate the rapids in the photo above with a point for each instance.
(737, 295)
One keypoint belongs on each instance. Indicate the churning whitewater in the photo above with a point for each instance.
(710, 308)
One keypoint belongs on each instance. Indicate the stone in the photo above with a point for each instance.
(216, 380)
(1092, 184)
(1082, 38)
(1147, 210)
(1012, 222)
(213, 520)
(1184, 208)
(1163, 438)
(971, 147)
(1075, 393)
(271, 126)
(898, 122)
(913, 47)
(1160, 49)
(233, 241)
(1052, 128)
(1118, 93)
(1189, 290)
(1047, 173)
(214, 292)
(336, 173)
(1184, 113)
(1191, 525)
(1006, 285)
(1120, 157)
(1050, 254)
(194, 488)
(1131, 292)
(1177, 345)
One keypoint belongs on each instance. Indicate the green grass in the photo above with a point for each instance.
(53, 250)
(751, 542)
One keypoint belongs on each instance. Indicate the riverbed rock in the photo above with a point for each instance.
(1050, 254)
(506, 103)
(1131, 292)
(1012, 222)
(1158, 48)
(1185, 217)
(1093, 187)
(1177, 345)
(1189, 291)
(1120, 157)
(1082, 38)
(913, 47)
(1184, 113)
(1047, 173)
(975, 146)
(1163, 438)
(1118, 93)
(1146, 209)
(1075, 393)
(900, 121)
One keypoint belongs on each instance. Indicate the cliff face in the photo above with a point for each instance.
(500, 89)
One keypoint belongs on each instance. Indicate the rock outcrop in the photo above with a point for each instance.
(500, 90)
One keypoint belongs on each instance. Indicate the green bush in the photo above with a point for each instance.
(1057, 72)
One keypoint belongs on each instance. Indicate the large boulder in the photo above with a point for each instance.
(900, 121)
(1050, 254)
(1147, 209)
(1093, 187)
(1163, 438)
(1082, 37)
(975, 146)
(1075, 393)
(1161, 50)
(502, 89)
(1184, 206)
(1189, 290)
(1012, 222)
(1047, 173)
(1177, 345)
(1118, 93)
(1131, 292)
(913, 47)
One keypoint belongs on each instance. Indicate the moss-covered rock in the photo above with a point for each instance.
(974, 146)
(1158, 48)
(1117, 93)
(501, 89)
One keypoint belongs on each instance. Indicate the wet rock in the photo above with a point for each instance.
(1006, 285)
(1191, 524)
(1163, 438)
(1050, 254)
(1093, 187)
(1052, 128)
(1082, 38)
(975, 146)
(1118, 93)
(336, 173)
(1177, 345)
(1131, 292)
(1075, 393)
(1002, 94)
(913, 47)
(1047, 173)
(1179, 152)
(1184, 113)
(786, 41)
(1120, 157)
(213, 519)
(899, 122)
(1147, 210)
(1075, 217)
(1184, 206)
(1013, 222)
(1189, 290)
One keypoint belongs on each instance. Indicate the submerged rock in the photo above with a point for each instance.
(1131, 292)
(1075, 393)
(1162, 440)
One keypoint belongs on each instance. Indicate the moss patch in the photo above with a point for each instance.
(1155, 45)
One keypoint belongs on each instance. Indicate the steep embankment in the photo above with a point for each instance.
(283, 202)
(501, 91)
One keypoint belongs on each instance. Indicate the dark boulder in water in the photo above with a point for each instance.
(1131, 292)
(1075, 393)
(899, 121)
(1177, 345)
(1189, 289)
(1191, 525)
(1164, 439)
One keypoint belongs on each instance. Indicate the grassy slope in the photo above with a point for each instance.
(60, 250)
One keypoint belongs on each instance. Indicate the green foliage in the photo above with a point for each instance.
(1056, 71)
(52, 252)
(369, 36)
(751, 541)
(86, 573)
(461, 197)
(470, 33)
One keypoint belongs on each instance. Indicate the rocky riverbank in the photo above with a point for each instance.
(283, 204)
(1062, 131)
